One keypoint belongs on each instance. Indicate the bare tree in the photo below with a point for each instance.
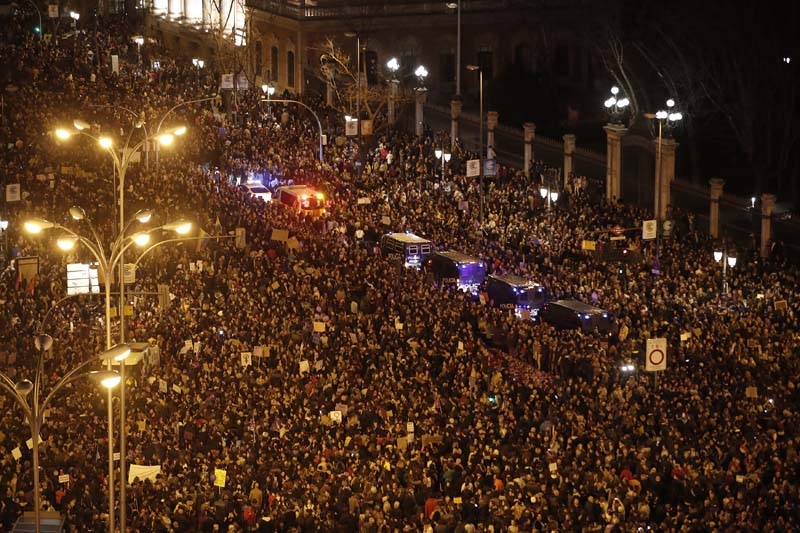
(730, 68)
(337, 69)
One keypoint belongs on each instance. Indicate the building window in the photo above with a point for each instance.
(485, 61)
(259, 59)
(561, 60)
(290, 69)
(523, 57)
(274, 63)
(447, 67)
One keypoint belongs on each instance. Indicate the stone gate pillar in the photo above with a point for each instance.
(455, 113)
(767, 207)
(569, 149)
(614, 134)
(713, 216)
(665, 174)
(529, 129)
(419, 120)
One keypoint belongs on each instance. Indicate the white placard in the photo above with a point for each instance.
(473, 168)
(13, 192)
(143, 472)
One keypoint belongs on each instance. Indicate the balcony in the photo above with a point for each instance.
(343, 9)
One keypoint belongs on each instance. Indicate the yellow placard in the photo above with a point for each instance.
(219, 477)
(589, 246)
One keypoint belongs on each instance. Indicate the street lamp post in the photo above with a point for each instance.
(112, 261)
(444, 157)
(419, 124)
(199, 64)
(139, 40)
(75, 17)
(393, 65)
(352, 34)
(551, 196)
(616, 105)
(455, 109)
(728, 260)
(457, 6)
(268, 90)
(480, 133)
(108, 262)
(3, 229)
(666, 121)
(34, 408)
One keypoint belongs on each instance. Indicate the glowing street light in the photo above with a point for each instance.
(728, 260)
(616, 105)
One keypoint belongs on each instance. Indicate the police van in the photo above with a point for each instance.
(574, 314)
(303, 199)
(451, 268)
(515, 292)
(407, 247)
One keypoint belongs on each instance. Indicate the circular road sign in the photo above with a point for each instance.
(656, 357)
(618, 230)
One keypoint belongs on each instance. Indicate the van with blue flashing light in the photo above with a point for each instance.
(515, 292)
(411, 249)
(454, 269)
(574, 314)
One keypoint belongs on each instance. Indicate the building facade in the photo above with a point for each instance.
(280, 41)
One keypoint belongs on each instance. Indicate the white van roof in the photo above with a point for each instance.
(407, 238)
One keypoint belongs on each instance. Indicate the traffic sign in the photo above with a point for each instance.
(617, 230)
(656, 355)
(649, 229)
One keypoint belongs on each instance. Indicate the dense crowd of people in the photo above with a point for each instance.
(340, 393)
